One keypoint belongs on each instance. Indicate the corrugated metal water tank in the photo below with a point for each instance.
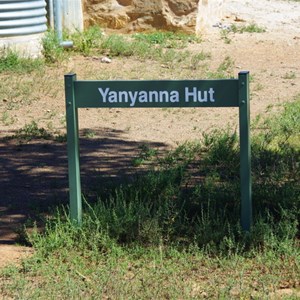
(22, 23)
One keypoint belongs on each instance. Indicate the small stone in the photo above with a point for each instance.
(106, 60)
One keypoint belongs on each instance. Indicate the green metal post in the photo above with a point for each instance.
(245, 151)
(73, 150)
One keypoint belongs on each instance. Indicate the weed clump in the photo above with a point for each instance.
(159, 45)
(11, 61)
(168, 206)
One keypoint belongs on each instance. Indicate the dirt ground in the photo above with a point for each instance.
(34, 174)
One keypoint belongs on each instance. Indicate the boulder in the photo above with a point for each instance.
(141, 15)
(210, 13)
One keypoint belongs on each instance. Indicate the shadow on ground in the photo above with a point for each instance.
(34, 173)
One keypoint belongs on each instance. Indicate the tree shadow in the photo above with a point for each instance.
(34, 172)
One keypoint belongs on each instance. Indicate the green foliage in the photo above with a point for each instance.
(226, 65)
(83, 42)
(251, 28)
(89, 133)
(177, 227)
(166, 39)
(283, 128)
(181, 156)
(117, 45)
(11, 61)
(157, 46)
(225, 69)
(166, 206)
(145, 154)
(225, 36)
(32, 131)
(140, 212)
(7, 119)
(52, 50)
(221, 151)
(276, 155)
(87, 41)
(151, 47)
(197, 58)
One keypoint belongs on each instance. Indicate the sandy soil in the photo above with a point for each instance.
(278, 17)
(34, 174)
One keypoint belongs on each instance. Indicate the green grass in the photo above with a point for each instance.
(167, 48)
(6, 119)
(150, 274)
(166, 39)
(32, 131)
(145, 154)
(149, 46)
(11, 62)
(52, 51)
(174, 232)
(224, 70)
(284, 130)
(85, 42)
(92, 42)
(118, 45)
(251, 28)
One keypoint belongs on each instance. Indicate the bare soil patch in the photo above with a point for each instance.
(34, 172)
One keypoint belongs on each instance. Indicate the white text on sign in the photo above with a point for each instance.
(133, 97)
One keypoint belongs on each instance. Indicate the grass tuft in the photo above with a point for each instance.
(52, 51)
(159, 46)
(11, 61)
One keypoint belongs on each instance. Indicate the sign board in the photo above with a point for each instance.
(158, 93)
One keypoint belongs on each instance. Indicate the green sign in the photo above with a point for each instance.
(165, 93)
(158, 93)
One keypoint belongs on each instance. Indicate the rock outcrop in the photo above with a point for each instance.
(210, 12)
(143, 15)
